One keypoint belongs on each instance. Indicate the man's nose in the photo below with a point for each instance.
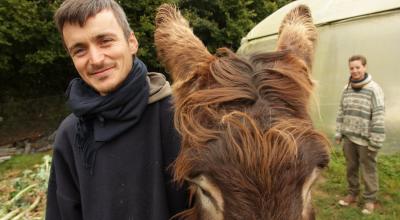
(96, 56)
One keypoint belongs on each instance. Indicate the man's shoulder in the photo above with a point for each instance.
(66, 130)
(68, 123)
(374, 84)
(165, 103)
(374, 87)
(376, 93)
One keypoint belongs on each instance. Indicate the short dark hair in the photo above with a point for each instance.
(358, 57)
(78, 11)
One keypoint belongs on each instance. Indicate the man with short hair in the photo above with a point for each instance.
(360, 124)
(111, 154)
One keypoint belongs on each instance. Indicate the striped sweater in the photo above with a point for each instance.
(361, 116)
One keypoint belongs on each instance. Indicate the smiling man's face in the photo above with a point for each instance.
(357, 70)
(101, 53)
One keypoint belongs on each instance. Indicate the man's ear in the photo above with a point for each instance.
(133, 43)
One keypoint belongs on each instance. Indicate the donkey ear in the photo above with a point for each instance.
(178, 49)
(286, 81)
(298, 34)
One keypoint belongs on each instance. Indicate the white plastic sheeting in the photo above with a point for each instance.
(345, 28)
(323, 12)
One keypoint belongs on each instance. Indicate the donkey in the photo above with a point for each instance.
(249, 149)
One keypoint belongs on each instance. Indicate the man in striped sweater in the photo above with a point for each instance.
(360, 125)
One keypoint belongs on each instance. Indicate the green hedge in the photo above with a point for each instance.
(33, 62)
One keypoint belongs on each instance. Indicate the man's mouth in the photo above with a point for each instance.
(101, 72)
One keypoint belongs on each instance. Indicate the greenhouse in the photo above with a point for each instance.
(345, 28)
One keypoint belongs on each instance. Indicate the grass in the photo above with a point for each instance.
(332, 187)
(19, 163)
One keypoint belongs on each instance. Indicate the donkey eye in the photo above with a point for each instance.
(205, 192)
(324, 161)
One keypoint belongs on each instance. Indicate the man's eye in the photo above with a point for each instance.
(106, 41)
(78, 52)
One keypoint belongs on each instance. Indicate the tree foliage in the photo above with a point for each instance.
(222, 23)
(141, 16)
(34, 63)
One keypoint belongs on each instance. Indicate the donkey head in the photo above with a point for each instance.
(249, 150)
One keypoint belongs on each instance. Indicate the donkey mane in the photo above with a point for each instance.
(246, 115)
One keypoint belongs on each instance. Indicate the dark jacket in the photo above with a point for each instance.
(129, 178)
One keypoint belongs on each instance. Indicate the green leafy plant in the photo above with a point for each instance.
(27, 193)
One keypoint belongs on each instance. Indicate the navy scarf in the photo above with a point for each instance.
(103, 118)
(357, 85)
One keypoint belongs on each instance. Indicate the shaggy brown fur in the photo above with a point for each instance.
(244, 121)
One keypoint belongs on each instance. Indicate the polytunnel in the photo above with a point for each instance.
(345, 28)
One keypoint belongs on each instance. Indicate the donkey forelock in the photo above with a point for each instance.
(249, 149)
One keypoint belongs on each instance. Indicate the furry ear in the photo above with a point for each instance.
(298, 34)
(178, 49)
(284, 76)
